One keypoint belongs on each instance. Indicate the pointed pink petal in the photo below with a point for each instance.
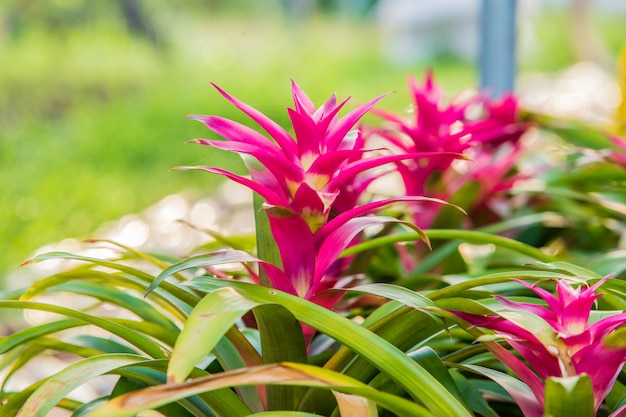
(301, 100)
(594, 287)
(605, 326)
(603, 366)
(543, 362)
(308, 204)
(346, 123)
(325, 109)
(328, 163)
(329, 114)
(280, 135)
(343, 218)
(278, 279)
(576, 314)
(354, 168)
(266, 178)
(237, 132)
(519, 368)
(306, 134)
(536, 309)
(340, 238)
(350, 192)
(270, 196)
(277, 164)
(297, 251)
(547, 296)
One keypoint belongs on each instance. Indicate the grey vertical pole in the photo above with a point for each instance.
(497, 47)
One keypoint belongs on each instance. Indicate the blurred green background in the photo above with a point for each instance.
(94, 94)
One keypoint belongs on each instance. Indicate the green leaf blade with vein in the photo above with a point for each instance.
(283, 373)
(215, 258)
(569, 397)
(385, 356)
(212, 317)
(46, 396)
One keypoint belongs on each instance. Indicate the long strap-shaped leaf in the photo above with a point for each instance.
(465, 235)
(139, 340)
(418, 383)
(281, 341)
(181, 295)
(129, 405)
(57, 386)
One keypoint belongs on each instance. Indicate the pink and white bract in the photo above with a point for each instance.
(301, 177)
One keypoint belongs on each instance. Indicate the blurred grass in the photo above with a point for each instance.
(92, 118)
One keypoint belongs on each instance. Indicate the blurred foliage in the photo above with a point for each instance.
(93, 116)
(93, 96)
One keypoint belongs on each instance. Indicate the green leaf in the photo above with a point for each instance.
(354, 405)
(616, 339)
(381, 353)
(86, 408)
(575, 132)
(472, 395)
(144, 277)
(21, 337)
(212, 317)
(267, 249)
(496, 278)
(569, 397)
(45, 398)
(395, 292)
(281, 341)
(610, 263)
(465, 235)
(137, 339)
(429, 359)
(284, 373)
(520, 392)
(222, 402)
(229, 358)
(215, 258)
(123, 299)
(284, 414)
(465, 305)
(570, 268)
(439, 255)
(403, 328)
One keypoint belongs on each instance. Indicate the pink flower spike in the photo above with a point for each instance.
(280, 135)
(303, 103)
(340, 129)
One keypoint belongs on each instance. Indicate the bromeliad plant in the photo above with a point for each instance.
(564, 343)
(485, 130)
(303, 326)
(301, 179)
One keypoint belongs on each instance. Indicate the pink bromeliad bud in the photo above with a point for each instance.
(564, 339)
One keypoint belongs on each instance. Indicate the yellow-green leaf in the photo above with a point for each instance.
(206, 325)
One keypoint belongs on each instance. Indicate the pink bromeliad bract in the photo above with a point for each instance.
(452, 127)
(301, 177)
(562, 339)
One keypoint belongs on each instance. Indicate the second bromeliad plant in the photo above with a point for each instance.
(321, 321)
